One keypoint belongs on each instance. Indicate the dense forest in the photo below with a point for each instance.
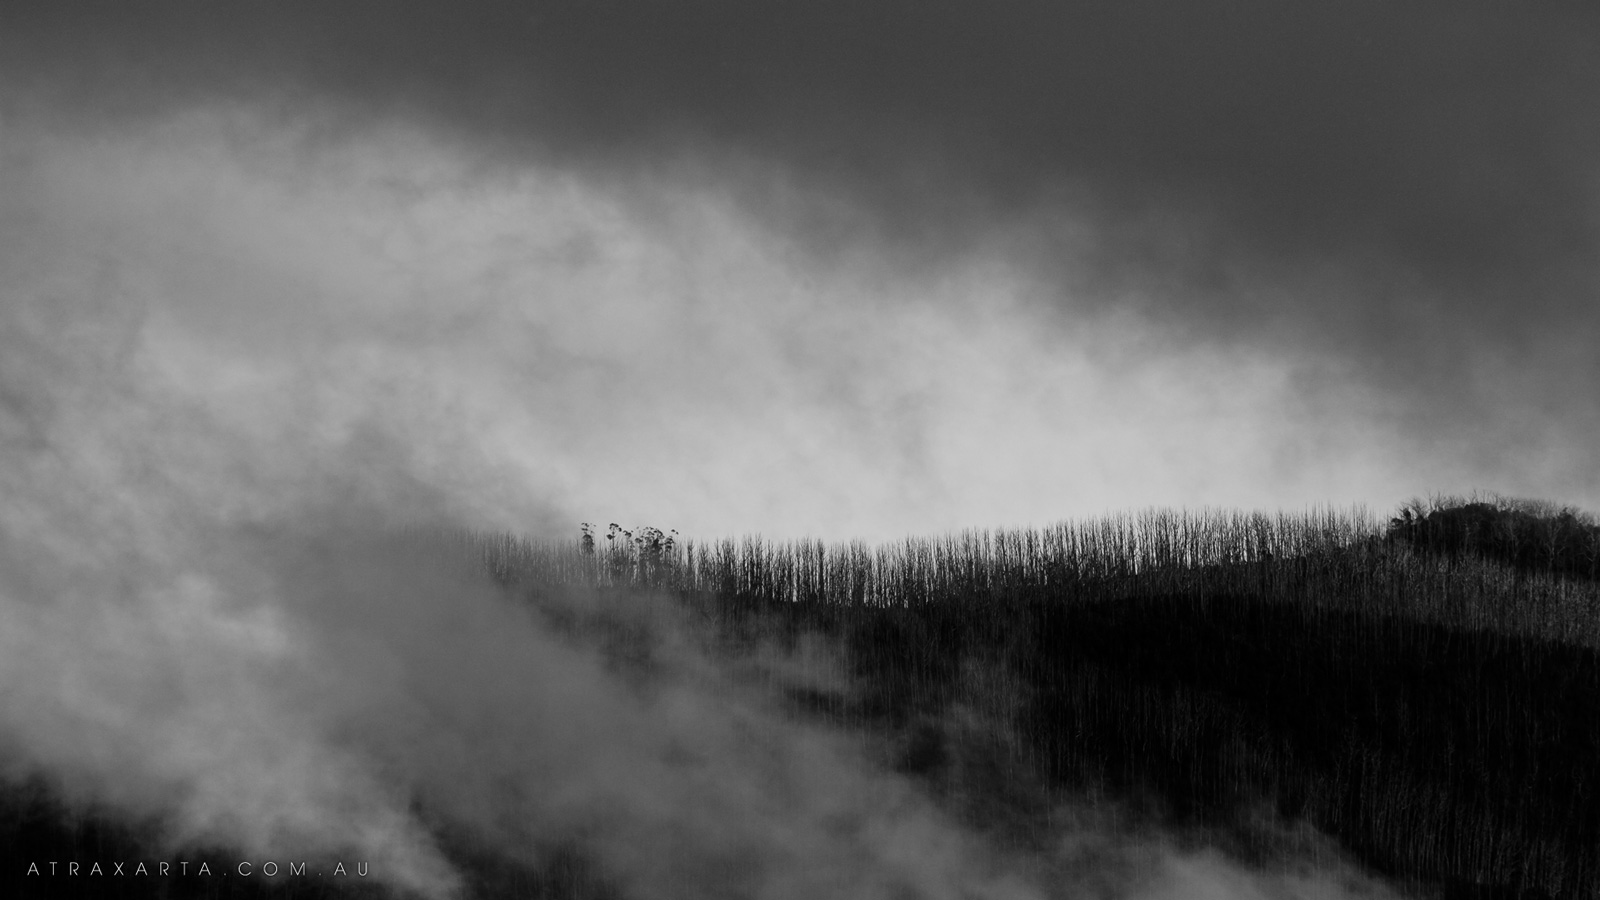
(1419, 689)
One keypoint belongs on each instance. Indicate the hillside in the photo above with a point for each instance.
(1418, 691)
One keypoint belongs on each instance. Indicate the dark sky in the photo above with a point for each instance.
(1392, 206)
(1449, 140)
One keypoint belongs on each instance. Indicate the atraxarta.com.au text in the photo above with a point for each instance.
(187, 868)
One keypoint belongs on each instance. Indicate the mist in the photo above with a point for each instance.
(266, 311)
(217, 620)
(235, 386)
(1379, 218)
(542, 350)
(326, 685)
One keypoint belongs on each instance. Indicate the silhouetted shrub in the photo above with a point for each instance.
(1530, 536)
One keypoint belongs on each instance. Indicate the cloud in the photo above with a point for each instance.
(238, 363)
(242, 643)
(325, 687)
(281, 282)
(1452, 148)
(1390, 202)
(536, 350)
(212, 618)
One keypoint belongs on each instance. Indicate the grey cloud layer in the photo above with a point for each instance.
(1455, 138)
(212, 619)
(1401, 194)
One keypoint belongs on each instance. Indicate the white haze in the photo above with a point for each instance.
(551, 350)
(238, 357)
